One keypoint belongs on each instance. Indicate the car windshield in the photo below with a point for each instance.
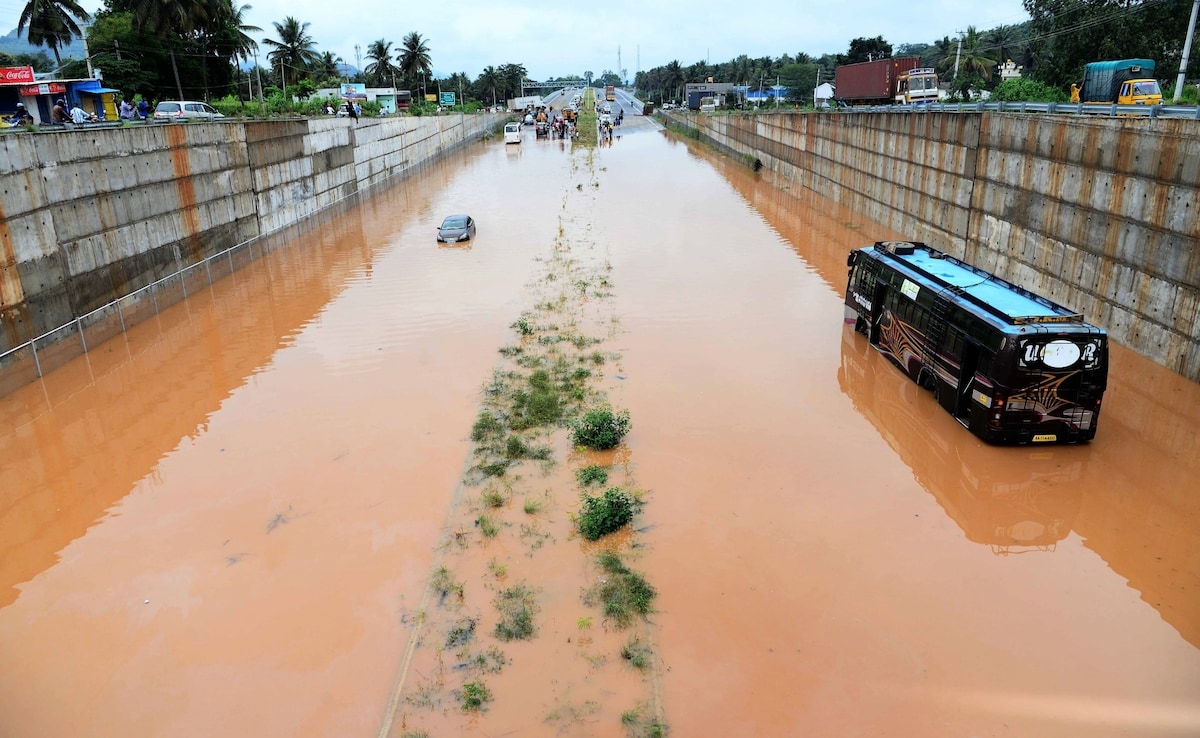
(168, 107)
(455, 221)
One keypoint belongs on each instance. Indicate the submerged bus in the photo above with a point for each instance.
(1009, 365)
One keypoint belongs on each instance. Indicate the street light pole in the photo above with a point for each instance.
(1187, 51)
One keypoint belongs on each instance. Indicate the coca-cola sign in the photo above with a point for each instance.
(16, 75)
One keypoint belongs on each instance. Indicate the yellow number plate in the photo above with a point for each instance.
(1043, 437)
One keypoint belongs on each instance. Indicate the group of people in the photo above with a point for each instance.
(128, 111)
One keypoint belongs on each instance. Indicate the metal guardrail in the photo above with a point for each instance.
(1106, 109)
(128, 308)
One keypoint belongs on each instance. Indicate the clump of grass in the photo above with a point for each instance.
(591, 474)
(606, 513)
(487, 526)
(597, 358)
(474, 697)
(492, 662)
(444, 584)
(511, 351)
(497, 569)
(515, 448)
(494, 497)
(539, 405)
(495, 468)
(523, 326)
(517, 606)
(600, 428)
(487, 426)
(623, 594)
(533, 506)
(461, 634)
(636, 654)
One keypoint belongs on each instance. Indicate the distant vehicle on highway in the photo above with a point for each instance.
(512, 133)
(185, 109)
(456, 228)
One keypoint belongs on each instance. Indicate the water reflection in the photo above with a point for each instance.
(81, 438)
(1011, 500)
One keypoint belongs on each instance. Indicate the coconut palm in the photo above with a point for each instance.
(294, 52)
(231, 40)
(414, 58)
(488, 81)
(674, 77)
(381, 70)
(52, 23)
(511, 76)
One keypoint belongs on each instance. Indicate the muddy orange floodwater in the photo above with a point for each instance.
(225, 521)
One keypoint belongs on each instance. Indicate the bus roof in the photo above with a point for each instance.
(1007, 301)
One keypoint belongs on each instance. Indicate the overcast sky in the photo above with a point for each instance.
(561, 38)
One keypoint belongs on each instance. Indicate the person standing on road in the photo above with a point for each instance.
(126, 110)
(352, 111)
(143, 109)
(58, 115)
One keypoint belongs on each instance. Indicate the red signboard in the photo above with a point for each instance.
(18, 75)
(45, 88)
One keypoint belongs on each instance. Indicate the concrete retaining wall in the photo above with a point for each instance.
(87, 216)
(1100, 214)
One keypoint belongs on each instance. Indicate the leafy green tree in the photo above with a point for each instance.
(866, 49)
(674, 79)
(1067, 34)
(52, 23)
(800, 81)
(415, 61)
(512, 75)
(175, 19)
(295, 50)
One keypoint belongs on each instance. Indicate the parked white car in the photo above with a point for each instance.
(185, 109)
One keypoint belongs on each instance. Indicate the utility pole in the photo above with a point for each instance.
(958, 54)
(358, 57)
(258, 73)
(1187, 51)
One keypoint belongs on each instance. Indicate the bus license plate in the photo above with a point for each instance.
(1044, 437)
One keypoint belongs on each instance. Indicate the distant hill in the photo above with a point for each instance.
(10, 43)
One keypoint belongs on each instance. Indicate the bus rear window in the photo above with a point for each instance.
(1059, 354)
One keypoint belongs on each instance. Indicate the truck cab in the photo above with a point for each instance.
(1140, 92)
(917, 86)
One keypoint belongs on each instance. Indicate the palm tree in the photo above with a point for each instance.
(52, 23)
(172, 19)
(511, 76)
(489, 80)
(381, 69)
(329, 68)
(414, 59)
(294, 51)
(674, 77)
(232, 39)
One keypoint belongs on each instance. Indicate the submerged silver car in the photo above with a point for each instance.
(457, 228)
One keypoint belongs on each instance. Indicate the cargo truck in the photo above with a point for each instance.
(1125, 82)
(523, 104)
(899, 80)
(610, 93)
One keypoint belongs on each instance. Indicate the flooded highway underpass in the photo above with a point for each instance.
(226, 521)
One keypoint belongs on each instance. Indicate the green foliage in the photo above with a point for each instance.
(444, 584)
(474, 696)
(517, 607)
(486, 426)
(622, 593)
(609, 512)
(636, 653)
(1027, 90)
(537, 406)
(523, 326)
(591, 474)
(487, 526)
(600, 428)
(461, 633)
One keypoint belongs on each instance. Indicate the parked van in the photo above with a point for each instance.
(512, 133)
